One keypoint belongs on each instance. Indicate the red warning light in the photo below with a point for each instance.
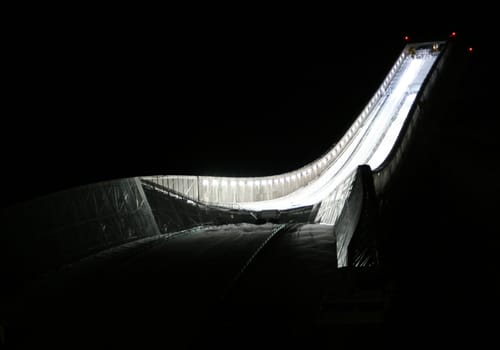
(407, 38)
(453, 34)
(470, 49)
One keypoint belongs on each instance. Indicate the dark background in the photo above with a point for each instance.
(98, 96)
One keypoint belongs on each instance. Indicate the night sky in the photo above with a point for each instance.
(101, 102)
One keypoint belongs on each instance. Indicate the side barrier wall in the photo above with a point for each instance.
(60, 228)
(355, 228)
(174, 212)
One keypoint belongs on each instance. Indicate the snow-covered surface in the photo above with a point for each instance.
(372, 142)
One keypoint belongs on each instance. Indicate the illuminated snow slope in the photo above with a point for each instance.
(327, 180)
(371, 143)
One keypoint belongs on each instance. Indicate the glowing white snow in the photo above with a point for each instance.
(372, 142)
